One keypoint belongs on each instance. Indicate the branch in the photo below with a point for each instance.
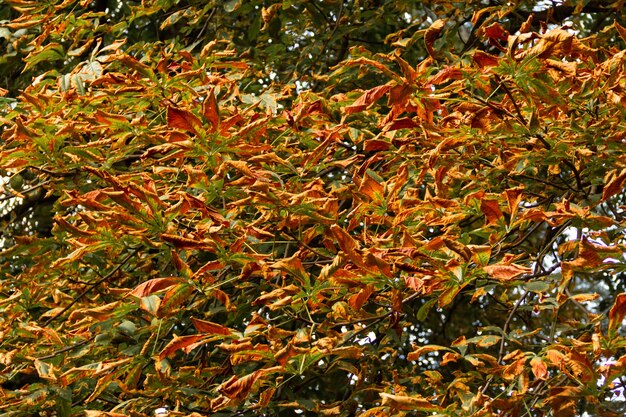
(91, 287)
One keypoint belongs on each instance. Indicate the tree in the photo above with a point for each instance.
(322, 208)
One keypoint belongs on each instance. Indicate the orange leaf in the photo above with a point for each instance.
(210, 110)
(175, 297)
(431, 35)
(367, 99)
(371, 188)
(186, 343)
(491, 210)
(447, 73)
(515, 369)
(496, 31)
(357, 300)
(556, 357)
(540, 370)
(513, 198)
(182, 119)
(181, 266)
(203, 326)
(620, 29)
(184, 242)
(617, 312)
(485, 60)
(154, 285)
(615, 185)
(506, 272)
(239, 388)
(402, 402)
(422, 350)
(100, 313)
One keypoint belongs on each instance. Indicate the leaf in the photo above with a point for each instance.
(422, 350)
(506, 272)
(232, 5)
(367, 99)
(485, 60)
(620, 29)
(203, 326)
(617, 312)
(184, 343)
(210, 110)
(182, 119)
(485, 340)
(539, 368)
(406, 403)
(97, 413)
(175, 297)
(356, 301)
(431, 35)
(100, 313)
(614, 184)
(51, 52)
(45, 370)
(491, 210)
(157, 284)
(448, 295)
(371, 187)
(239, 388)
(150, 304)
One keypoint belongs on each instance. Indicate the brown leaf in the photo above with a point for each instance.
(458, 248)
(183, 119)
(506, 272)
(203, 326)
(513, 199)
(153, 285)
(431, 35)
(184, 242)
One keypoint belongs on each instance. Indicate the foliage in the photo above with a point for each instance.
(384, 208)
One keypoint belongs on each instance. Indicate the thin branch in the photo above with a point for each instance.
(505, 330)
(11, 196)
(91, 287)
(510, 95)
(66, 349)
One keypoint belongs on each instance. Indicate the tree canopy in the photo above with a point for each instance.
(333, 207)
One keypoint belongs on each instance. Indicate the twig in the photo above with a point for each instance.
(510, 95)
(505, 329)
(66, 349)
(11, 196)
(91, 287)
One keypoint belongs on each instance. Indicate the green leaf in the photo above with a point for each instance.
(50, 52)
